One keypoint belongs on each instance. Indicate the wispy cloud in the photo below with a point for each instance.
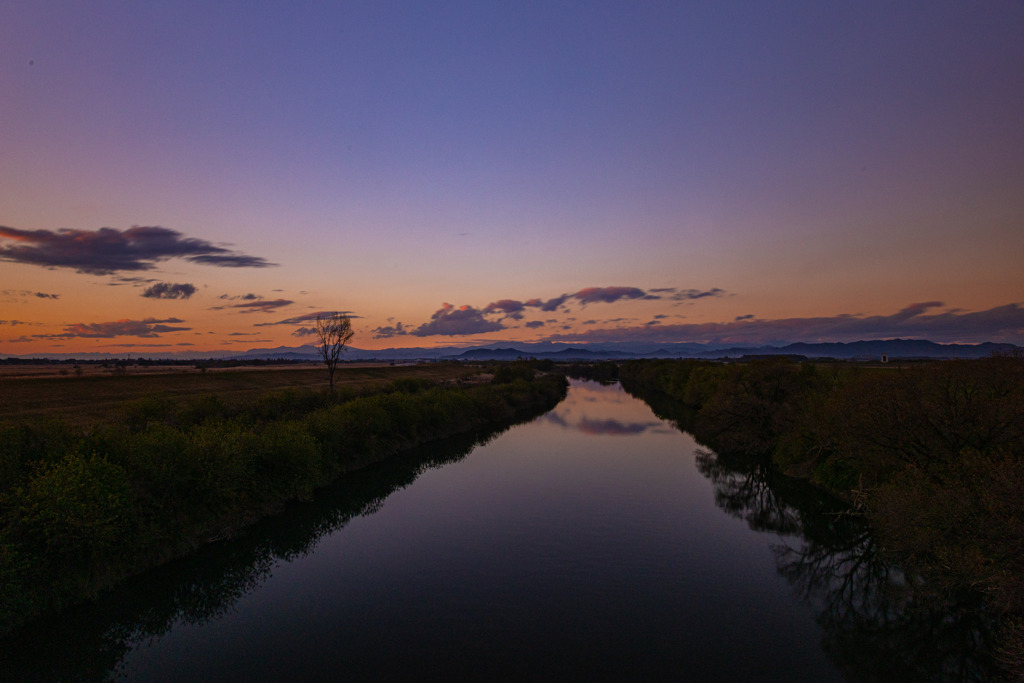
(167, 290)
(260, 306)
(608, 295)
(307, 318)
(24, 294)
(691, 294)
(108, 250)
(387, 331)
(150, 327)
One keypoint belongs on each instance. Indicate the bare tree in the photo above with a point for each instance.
(334, 332)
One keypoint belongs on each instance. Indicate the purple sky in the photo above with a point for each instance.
(708, 171)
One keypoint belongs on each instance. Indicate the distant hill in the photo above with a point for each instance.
(866, 349)
(514, 353)
(894, 348)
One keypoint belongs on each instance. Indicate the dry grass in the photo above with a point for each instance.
(96, 397)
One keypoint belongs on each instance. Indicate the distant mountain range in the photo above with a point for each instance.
(894, 348)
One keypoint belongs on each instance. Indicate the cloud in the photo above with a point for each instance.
(385, 332)
(589, 295)
(553, 304)
(107, 250)
(167, 290)
(15, 323)
(449, 321)
(469, 320)
(307, 318)
(1002, 323)
(230, 260)
(150, 327)
(510, 307)
(304, 330)
(18, 294)
(689, 294)
(607, 295)
(262, 306)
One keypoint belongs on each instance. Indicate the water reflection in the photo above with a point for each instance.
(94, 638)
(602, 410)
(554, 553)
(877, 625)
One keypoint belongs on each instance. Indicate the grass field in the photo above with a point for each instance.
(91, 398)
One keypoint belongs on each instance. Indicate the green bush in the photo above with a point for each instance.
(199, 409)
(72, 517)
(143, 411)
(25, 449)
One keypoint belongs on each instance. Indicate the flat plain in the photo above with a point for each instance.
(39, 393)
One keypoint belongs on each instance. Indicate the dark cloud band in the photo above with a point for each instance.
(148, 328)
(167, 290)
(107, 250)
(449, 321)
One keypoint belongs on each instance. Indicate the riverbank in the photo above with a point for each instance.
(83, 509)
(932, 455)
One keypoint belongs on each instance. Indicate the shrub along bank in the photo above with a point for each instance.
(932, 453)
(83, 510)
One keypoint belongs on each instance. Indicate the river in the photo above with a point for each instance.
(596, 542)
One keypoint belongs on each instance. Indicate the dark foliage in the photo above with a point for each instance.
(82, 510)
(933, 455)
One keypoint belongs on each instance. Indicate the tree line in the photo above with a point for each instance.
(932, 455)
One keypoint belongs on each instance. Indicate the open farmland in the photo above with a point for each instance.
(95, 397)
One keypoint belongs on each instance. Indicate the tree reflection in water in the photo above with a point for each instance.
(877, 624)
(95, 638)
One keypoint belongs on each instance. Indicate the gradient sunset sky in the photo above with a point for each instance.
(210, 175)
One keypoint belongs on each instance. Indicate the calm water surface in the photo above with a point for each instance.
(596, 542)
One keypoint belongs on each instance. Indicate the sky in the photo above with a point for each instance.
(196, 176)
